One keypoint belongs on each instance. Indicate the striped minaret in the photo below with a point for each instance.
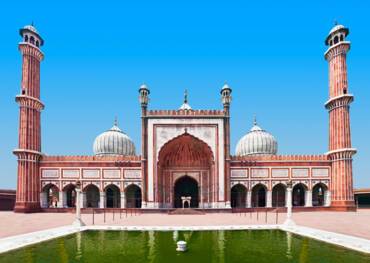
(340, 147)
(30, 106)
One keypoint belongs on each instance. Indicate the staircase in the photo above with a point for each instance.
(186, 211)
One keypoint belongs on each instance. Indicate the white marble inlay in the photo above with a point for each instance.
(259, 173)
(320, 172)
(111, 174)
(299, 172)
(280, 173)
(50, 173)
(239, 173)
(71, 173)
(90, 173)
(132, 173)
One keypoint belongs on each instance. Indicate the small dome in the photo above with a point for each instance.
(336, 28)
(31, 28)
(256, 142)
(113, 142)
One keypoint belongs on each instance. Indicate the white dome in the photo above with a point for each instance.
(256, 142)
(113, 142)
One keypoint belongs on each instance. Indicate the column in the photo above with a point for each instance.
(249, 199)
(61, 199)
(327, 198)
(268, 199)
(308, 197)
(44, 200)
(123, 200)
(83, 200)
(64, 199)
(102, 200)
(289, 220)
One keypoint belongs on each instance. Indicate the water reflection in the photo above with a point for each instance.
(221, 245)
(289, 245)
(78, 246)
(175, 235)
(151, 246)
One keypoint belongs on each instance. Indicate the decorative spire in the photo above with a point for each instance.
(185, 105)
(115, 121)
(254, 120)
(186, 96)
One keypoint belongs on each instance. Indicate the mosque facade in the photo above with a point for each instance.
(185, 154)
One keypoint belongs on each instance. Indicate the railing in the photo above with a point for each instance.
(109, 215)
(261, 215)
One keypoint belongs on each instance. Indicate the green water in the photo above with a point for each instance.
(203, 246)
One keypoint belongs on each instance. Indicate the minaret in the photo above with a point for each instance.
(30, 106)
(144, 101)
(340, 148)
(226, 101)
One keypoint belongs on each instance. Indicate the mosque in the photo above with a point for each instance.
(185, 154)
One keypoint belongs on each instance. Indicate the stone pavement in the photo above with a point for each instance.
(350, 223)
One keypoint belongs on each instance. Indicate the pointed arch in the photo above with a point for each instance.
(259, 192)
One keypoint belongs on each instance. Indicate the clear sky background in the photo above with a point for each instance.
(97, 54)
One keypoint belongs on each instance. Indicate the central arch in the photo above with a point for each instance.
(186, 186)
(185, 162)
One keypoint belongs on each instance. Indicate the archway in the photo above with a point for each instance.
(51, 195)
(113, 196)
(319, 194)
(299, 195)
(259, 196)
(133, 196)
(70, 195)
(185, 155)
(186, 186)
(278, 195)
(238, 196)
(92, 196)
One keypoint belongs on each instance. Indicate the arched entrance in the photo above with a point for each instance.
(319, 194)
(185, 155)
(133, 196)
(278, 195)
(259, 196)
(92, 196)
(299, 195)
(70, 195)
(238, 196)
(186, 187)
(51, 195)
(113, 196)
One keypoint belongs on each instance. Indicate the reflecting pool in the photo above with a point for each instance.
(255, 246)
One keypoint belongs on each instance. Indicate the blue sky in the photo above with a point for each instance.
(270, 52)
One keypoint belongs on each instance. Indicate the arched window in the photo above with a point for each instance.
(238, 196)
(32, 40)
(37, 43)
(278, 195)
(335, 40)
(259, 196)
(299, 195)
(26, 38)
(341, 37)
(331, 42)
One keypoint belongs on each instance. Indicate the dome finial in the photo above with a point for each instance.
(186, 96)
(254, 120)
(115, 121)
